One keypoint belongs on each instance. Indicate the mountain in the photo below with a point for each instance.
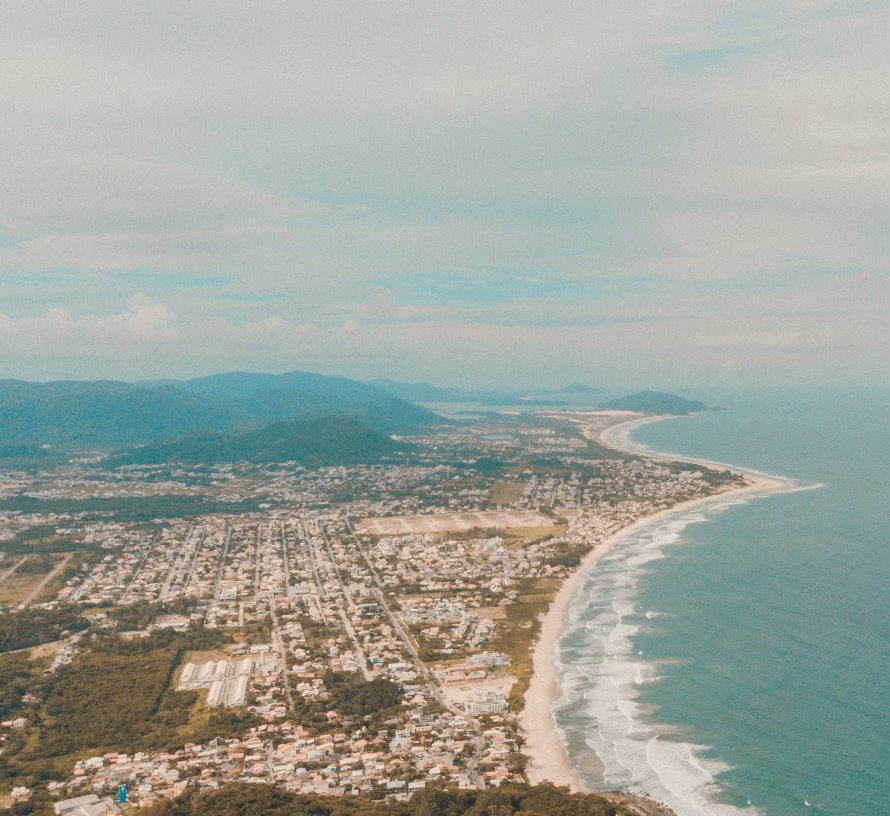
(301, 395)
(417, 392)
(236, 384)
(104, 413)
(100, 413)
(579, 388)
(316, 443)
(655, 402)
(424, 392)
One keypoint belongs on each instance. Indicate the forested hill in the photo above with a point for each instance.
(314, 443)
(656, 402)
(239, 799)
(103, 413)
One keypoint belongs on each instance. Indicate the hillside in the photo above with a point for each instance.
(256, 398)
(425, 392)
(315, 443)
(655, 402)
(100, 413)
(78, 415)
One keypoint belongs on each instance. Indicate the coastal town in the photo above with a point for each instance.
(349, 630)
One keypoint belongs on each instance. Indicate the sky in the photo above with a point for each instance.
(624, 193)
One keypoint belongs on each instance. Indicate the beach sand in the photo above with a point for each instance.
(547, 757)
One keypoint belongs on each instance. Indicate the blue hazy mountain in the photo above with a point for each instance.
(425, 392)
(100, 412)
(313, 443)
(80, 414)
(656, 402)
(265, 398)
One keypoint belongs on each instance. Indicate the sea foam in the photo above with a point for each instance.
(600, 678)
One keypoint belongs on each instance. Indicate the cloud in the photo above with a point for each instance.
(59, 331)
(410, 185)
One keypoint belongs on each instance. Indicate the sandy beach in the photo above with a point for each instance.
(547, 757)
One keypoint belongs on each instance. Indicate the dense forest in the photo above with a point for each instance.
(315, 443)
(117, 696)
(265, 800)
(120, 508)
(82, 415)
(23, 628)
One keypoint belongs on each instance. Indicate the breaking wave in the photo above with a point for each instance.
(612, 738)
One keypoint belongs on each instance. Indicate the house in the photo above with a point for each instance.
(89, 805)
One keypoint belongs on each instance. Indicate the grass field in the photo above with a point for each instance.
(17, 584)
(504, 492)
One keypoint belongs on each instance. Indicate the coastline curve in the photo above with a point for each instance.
(545, 744)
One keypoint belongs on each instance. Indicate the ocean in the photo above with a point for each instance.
(737, 660)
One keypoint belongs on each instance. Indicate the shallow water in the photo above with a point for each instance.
(742, 654)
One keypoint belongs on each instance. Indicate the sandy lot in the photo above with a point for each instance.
(454, 522)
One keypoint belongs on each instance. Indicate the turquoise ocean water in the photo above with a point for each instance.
(738, 659)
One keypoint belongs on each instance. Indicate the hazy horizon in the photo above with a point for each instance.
(606, 390)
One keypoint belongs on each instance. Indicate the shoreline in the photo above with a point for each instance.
(547, 757)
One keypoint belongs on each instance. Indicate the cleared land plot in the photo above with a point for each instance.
(454, 522)
(506, 492)
(23, 583)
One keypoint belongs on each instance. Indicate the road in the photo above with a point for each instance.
(181, 556)
(217, 589)
(39, 588)
(422, 669)
(279, 645)
(356, 646)
(13, 568)
(137, 572)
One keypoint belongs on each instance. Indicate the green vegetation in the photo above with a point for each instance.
(515, 635)
(119, 508)
(18, 676)
(356, 698)
(30, 457)
(352, 698)
(240, 799)
(330, 441)
(505, 492)
(23, 628)
(116, 697)
(656, 402)
(39, 539)
(36, 565)
(82, 415)
(424, 392)
(105, 701)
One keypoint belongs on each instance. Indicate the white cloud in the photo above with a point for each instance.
(59, 331)
(351, 183)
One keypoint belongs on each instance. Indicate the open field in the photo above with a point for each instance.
(454, 522)
(21, 584)
(506, 492)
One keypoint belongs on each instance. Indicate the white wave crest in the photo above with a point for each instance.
(602, 677)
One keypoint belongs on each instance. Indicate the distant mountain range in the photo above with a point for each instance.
(577, 394)
(314, 443)
(424, 392)
(111, 414)
(237, 416)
